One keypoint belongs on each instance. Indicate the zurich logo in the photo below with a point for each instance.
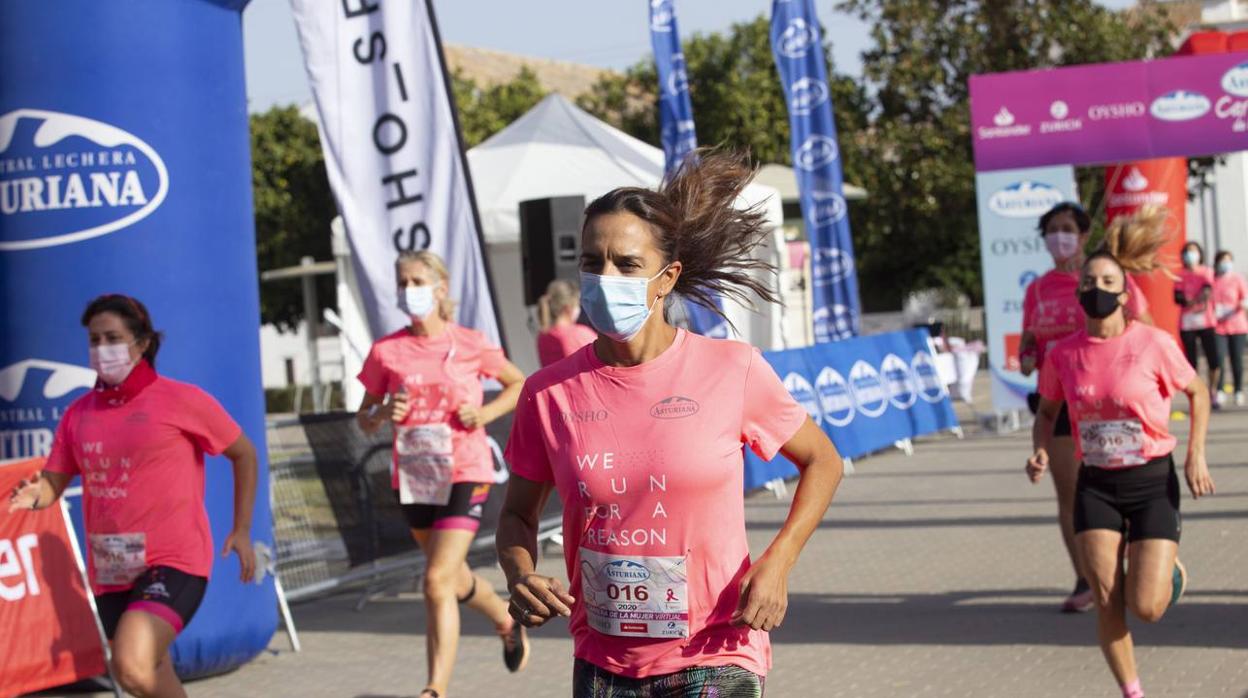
(830, 265)
(626, 572)
(678, 80)
(65, 178)
(833, 323)
(806, 95)
(931, 387)
(662, 14)
(800, 389)
(796, 39)
(1025, 199)
(829, 208)
(899, 382)
(817, 151)
(868, 389)
(1235, 80)
(834, 397)
(1180, 105)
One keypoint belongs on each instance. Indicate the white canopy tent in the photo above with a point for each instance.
(558, 149)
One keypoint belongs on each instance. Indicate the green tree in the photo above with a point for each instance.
(293, 206)
(919, 229)
(484, 111)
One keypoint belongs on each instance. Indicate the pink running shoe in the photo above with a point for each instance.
(1080, 600)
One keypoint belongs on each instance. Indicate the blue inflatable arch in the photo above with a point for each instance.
(125, 167)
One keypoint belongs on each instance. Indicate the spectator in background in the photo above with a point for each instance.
(1230, 299)
(1197, 324)
(561, 335)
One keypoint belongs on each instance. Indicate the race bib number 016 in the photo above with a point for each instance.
(630, 596)
(1113, 444)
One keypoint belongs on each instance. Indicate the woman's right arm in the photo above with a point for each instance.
(535, 599)
(1027, 353)
(375, 411)
(39, 492)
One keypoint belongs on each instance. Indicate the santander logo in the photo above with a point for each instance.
(1135, 180)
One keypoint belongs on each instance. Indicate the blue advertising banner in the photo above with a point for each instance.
(676, 129)
(125, 167)
(798, 47)
(866, 393)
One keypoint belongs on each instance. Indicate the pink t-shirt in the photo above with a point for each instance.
(1118, 393)
(648, 462)
(142, 466)
(1229, 293)
(440, 374)
(561, 341)
(1196, 316)
(1051, 308)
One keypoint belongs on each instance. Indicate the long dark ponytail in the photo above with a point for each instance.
(696, 221)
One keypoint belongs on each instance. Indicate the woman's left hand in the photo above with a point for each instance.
(471, 417)
(1199, 481)
(240, 543)
(764, 596)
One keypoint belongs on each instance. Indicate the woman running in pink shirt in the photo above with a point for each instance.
(426, 380)
(1116, 377)
(1230, 301)
(1198, 324)
(561, 334)
(641, 434)
(1051, 312)
(138, 440)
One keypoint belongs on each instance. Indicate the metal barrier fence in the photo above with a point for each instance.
(336, 521)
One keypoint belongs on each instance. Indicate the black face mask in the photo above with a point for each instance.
(1099, 303)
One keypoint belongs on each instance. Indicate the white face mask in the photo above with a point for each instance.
(416, 301)
(1225, 267)
(1062, 246)
(112, 362)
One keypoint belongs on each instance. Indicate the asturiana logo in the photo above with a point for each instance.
(678, 80)
(626, 572)
(816, 151)
(830, 207)
(661, 15)
(868, 389)
(833, 322)
(33, 396)
(1235, 80)
(806, 94)
(1180, 105)
(899, 381)
(800, 389)
(66, 178)
(830, 265)
(797, 38)
(834, 397)
(674, 407)
(1025, 199)
(931, 386)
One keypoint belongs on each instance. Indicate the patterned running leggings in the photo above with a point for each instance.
(591, 681)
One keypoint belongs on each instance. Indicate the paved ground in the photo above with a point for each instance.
(932, 575)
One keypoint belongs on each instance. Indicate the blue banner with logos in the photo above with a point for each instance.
(125, 167)
(677, 131)
(797, 45)
(866, 393)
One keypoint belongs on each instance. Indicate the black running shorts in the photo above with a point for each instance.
(1141, 501)
(169, 594)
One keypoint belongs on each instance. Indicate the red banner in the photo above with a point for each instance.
(1162, 182)
(49, 636)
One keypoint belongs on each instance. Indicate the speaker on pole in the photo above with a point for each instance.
(550, 242)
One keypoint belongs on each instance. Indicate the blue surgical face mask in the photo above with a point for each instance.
(1192, 257)
(1225, 266)
(416, 301)
(617, 306)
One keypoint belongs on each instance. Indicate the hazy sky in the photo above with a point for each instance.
(608, 33)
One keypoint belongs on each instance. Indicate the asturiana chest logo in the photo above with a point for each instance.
(626, 572)
(674, 407)
(1025, 199)
(66, 178)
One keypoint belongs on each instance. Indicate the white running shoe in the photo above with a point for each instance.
(1239, 399)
